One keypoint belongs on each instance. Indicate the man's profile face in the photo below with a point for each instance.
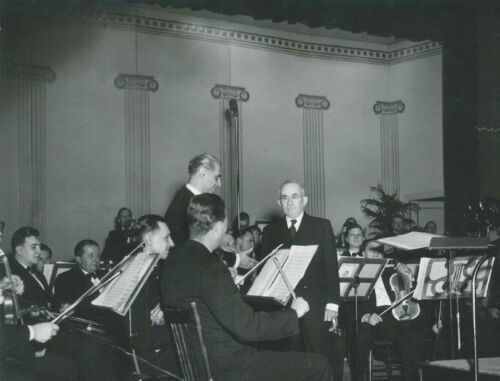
(211, 179)
(228, 243)
(245, 243)
(161, 242)
(45, 257)
(29, 251)
(292, 201)
(89, 260)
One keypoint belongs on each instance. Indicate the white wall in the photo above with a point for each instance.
(85, 123)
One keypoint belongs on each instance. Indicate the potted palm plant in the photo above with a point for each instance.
(381, 208)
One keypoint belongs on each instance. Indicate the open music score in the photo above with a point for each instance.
(435, 283)
(357, 276)
(119, 294)
(293, 262)
(409, 241)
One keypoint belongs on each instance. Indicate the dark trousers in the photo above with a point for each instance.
(402, 334)
(282, 366)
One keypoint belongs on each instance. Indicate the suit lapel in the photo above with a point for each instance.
(302, 231)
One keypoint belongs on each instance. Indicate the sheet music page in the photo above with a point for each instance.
(47, 271)
(409, 241)
(294, 269)
(118, 292)
(267, 274)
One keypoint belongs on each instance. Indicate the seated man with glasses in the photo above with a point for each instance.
(320, 283)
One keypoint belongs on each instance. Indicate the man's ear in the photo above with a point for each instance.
(148, 238)
(279, 203)
(304, 200)
(78, 259)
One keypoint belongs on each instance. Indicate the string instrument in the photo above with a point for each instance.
(10, 313)
(16, 312)
(401, 286)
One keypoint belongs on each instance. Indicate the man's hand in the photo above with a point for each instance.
(43, 332)
(156, 315)
(300, 306)
(405, 270)
(437, 327)
(372, 319)
(246, 261)
(331, 316)
(494, 313)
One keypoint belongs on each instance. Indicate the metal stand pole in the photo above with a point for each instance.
(475, 363)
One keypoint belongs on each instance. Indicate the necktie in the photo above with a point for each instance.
(292, 229)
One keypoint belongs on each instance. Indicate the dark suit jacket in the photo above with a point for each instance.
(320, 284)
(116, 245)
(33, 292)
(13, 338)
(176, 216)
(227, 321)
(370, 305)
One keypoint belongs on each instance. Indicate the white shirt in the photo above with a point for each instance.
(193, 190)
(95, 279)
(297, 223)
(381, 294)
(330, 306)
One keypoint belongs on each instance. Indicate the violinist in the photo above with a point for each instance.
(19, 359)
(25, 244)
(373, 326)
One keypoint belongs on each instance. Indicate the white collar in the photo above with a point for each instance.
(297, 224)
(193, 190)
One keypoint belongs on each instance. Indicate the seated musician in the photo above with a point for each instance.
(95, 360)
(19, 359)
(150, 338)
(192, 273)
(355, 237)
(25, 244)
(373, 326)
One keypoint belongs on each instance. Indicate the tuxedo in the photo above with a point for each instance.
(116, 246)
(95, 360)
(36, 288)
(176, 216)
(320, 284)
(404, 334)
(229, 324)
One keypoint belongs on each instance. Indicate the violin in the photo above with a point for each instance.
(10, 315)
(401, 286)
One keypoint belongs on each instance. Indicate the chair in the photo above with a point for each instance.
(187, 333)
(386, 370)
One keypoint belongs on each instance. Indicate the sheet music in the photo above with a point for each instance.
(294, 268)
(409, 241)
(268, 274)
(47, 271)
(117, 295)
(432, 280)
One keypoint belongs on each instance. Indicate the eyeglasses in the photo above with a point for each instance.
(294, 197)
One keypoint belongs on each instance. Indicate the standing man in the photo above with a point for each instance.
(229, 324)
(320, 284)
(204, 177)
(204, 172)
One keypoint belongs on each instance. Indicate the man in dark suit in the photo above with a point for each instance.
(204, 172)
(229, 324)
(320, 284)
(25, 244)
(95, 360)
(204, 177)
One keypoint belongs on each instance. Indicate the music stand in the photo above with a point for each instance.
(357, 278)
(450, 245)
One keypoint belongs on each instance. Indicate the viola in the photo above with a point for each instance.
(401, 286)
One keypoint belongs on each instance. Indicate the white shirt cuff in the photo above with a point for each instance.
(32, 332)
(332, 306)
(237, 261)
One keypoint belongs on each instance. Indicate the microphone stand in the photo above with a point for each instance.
(233, 106)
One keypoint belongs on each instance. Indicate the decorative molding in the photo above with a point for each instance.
(136, 82)
(312, 101)
(32, 72)
(313, 150)
(31, 137)
(230, 92)
(396, 107)
(158, 26)
(137, 140)
(228, 142)
(389, 142)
